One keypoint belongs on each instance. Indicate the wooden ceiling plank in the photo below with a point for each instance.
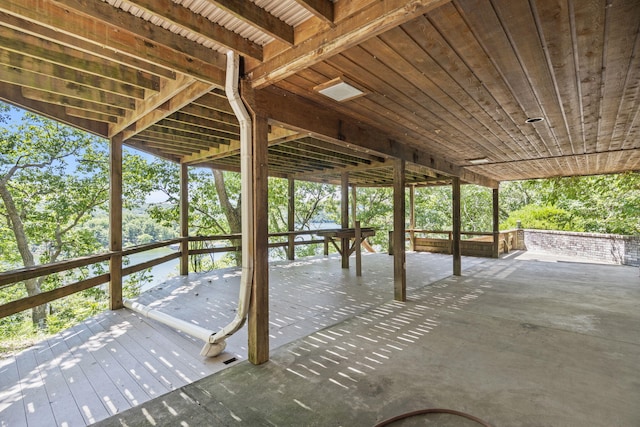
(140, 146)
(214, 102)
(35, 39)
(112, 28)
(173, 141)
(302, 115)
(257, 17)
(13, 95)
(621, 71)
(67, 101)
(336, 171)
(489, 31)
(177, 97)
(521, 23)
(416, 86)
(28, 79)
(183, 17)
(369, 22)
(14, 60)
(322, 9)
(212, 153)
(451, 25)
(460, 80)
(177, 137)
(311, 157)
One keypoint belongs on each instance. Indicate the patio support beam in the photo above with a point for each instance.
(496, 223)
(259, 306)
(115, 223)
(294, 112)
(344, 216)
(457, 261)
(354, 205)
(291, 219)
(412, 217)
(399, 257)
(184, 219)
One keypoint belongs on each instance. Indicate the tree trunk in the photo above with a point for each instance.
(38, 314)
(232, 213)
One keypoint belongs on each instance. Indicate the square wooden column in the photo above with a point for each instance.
(184, 219)
(115, 222)
(457, 260)
(354, 205)
(496, 223)
(344, 216)
(258, 322)
(412, 217)
(399, 256)
(291, 219)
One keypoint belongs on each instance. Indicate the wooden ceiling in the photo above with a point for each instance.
(445, 82)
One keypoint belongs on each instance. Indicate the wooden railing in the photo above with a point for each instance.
(15, 277)
(472, 243)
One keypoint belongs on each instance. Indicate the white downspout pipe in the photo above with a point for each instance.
(215, 341)
(247, 212)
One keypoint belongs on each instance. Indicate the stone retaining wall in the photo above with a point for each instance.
(612, 248)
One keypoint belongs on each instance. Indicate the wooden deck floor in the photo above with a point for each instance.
(118, 359)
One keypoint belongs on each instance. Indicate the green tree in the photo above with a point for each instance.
(52, 179)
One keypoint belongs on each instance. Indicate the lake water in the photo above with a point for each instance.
(171, 268)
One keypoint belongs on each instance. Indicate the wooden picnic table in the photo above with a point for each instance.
(346, 247)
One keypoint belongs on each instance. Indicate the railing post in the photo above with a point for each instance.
(115, 222)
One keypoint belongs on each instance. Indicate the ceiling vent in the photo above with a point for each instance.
(340, 90)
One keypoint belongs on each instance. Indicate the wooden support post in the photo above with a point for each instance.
(115, 222)
(399, 257)
(344, 217)
(259, 306)
(358, 243)
(184, 219)
(455, 244)
(354, 205)
(291, 220)
(496, 223)
(390, 242)
(412, 217)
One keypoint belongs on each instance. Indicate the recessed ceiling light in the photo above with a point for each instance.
(480, 161)
(339, 90)
(534, 119)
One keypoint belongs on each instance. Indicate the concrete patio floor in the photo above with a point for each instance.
(527, 340)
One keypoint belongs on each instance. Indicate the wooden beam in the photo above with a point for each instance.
(322, 9)
(295, 112)
(181, 16)
(115, 223)
(257, 17)
(32, 39)
(112, 28)
(496, 222)
(372, 20)
(178, 96)
(399, 256)
(13, 95)
(291, 219)
(344, 216)
(259, 307)
(457, 260)
(28, 79)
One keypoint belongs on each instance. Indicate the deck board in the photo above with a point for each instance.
(119, 359)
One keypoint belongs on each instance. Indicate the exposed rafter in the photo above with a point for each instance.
(111, 28)
(322, 9)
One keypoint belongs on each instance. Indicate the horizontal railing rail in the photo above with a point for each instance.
(17, 276)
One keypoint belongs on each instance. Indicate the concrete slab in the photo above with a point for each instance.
(514, 342)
